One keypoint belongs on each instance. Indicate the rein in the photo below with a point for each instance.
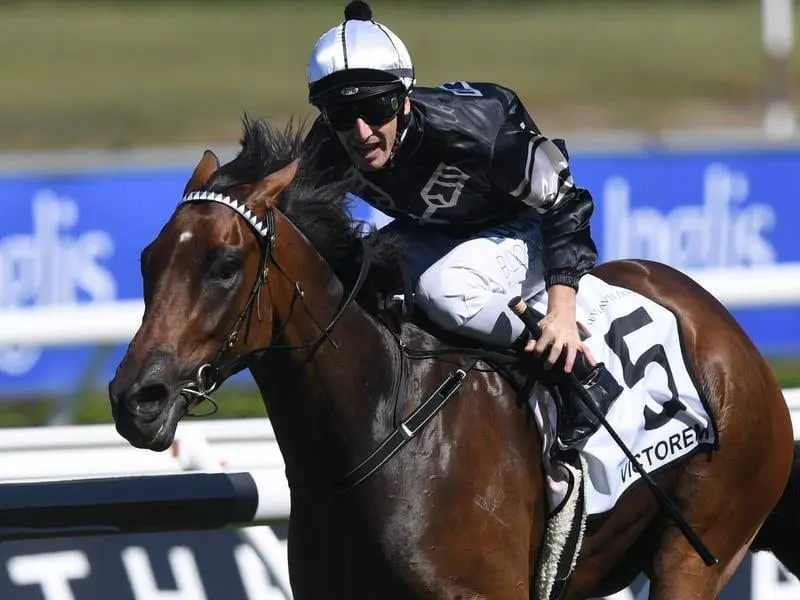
(212, 374)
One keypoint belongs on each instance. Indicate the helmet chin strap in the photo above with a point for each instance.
(398, 139)
(403, 123)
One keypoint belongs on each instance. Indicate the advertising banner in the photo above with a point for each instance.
(77, 237)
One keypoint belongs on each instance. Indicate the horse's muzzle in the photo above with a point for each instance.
(147, 407)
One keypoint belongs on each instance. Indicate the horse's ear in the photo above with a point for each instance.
(268, 189)
(207, 166)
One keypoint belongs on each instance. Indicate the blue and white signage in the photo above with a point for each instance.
(696, 210)
(77, 237)
(218, 565)
(74, 239)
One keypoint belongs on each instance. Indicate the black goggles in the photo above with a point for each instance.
(374, 110)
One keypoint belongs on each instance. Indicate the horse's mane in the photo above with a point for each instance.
(322, 212)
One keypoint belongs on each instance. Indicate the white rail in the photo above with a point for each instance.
(242, 446)
(757, 287)
(96, 324)
(79, 451)
(116, 322)
(76, 456)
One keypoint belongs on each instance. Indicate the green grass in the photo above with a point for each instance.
(94, 75)
(787, 371)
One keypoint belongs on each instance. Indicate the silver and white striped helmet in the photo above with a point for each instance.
(357, 59)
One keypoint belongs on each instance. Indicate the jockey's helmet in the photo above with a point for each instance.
(357, 59)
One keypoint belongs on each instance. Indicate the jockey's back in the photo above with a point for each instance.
(458, 164)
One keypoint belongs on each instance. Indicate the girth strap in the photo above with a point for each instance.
(405, 432)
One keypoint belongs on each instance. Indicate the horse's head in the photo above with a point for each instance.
(203, 277)
(256, 249)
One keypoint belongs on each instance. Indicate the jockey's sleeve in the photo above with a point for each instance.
(534, 170)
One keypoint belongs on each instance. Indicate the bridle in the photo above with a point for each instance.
(210, 375)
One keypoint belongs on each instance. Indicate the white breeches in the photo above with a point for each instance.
(464, 285)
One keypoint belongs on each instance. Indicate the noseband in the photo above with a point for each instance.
(210, 375)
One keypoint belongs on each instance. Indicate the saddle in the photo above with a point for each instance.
(565, 525)
(521, 369)
(576, 422)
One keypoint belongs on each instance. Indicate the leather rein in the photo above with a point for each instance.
(212, 374)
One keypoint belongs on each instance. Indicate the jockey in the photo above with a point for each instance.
(486, 202)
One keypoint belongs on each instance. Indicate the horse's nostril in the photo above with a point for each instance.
(147, 401)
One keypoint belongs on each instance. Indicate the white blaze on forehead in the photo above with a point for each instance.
(185, 236)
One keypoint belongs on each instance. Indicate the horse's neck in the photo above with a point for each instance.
(324, 399)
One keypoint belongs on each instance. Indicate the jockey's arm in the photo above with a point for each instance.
(535, 171)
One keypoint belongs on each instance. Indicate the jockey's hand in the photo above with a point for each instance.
(559, 330)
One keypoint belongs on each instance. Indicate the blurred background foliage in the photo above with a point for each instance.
(122, 74)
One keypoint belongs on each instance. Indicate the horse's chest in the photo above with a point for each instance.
(340, 553)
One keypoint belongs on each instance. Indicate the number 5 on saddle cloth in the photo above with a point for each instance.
(576, 422)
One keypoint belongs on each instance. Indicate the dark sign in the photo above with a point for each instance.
(220, 565)
(205, 565)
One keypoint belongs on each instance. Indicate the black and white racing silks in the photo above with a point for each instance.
(472, 158)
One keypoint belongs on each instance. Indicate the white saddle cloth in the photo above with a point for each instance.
(660, 415)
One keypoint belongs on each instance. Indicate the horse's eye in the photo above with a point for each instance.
(229, 268)
(226, 266)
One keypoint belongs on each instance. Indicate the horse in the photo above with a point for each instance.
(264, 268)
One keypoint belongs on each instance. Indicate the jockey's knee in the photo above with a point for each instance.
(451, 296)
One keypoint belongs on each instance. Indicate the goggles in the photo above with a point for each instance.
(373, 110)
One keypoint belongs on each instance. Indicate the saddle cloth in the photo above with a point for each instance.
(660, 415)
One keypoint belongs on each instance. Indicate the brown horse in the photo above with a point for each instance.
(262, 268)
